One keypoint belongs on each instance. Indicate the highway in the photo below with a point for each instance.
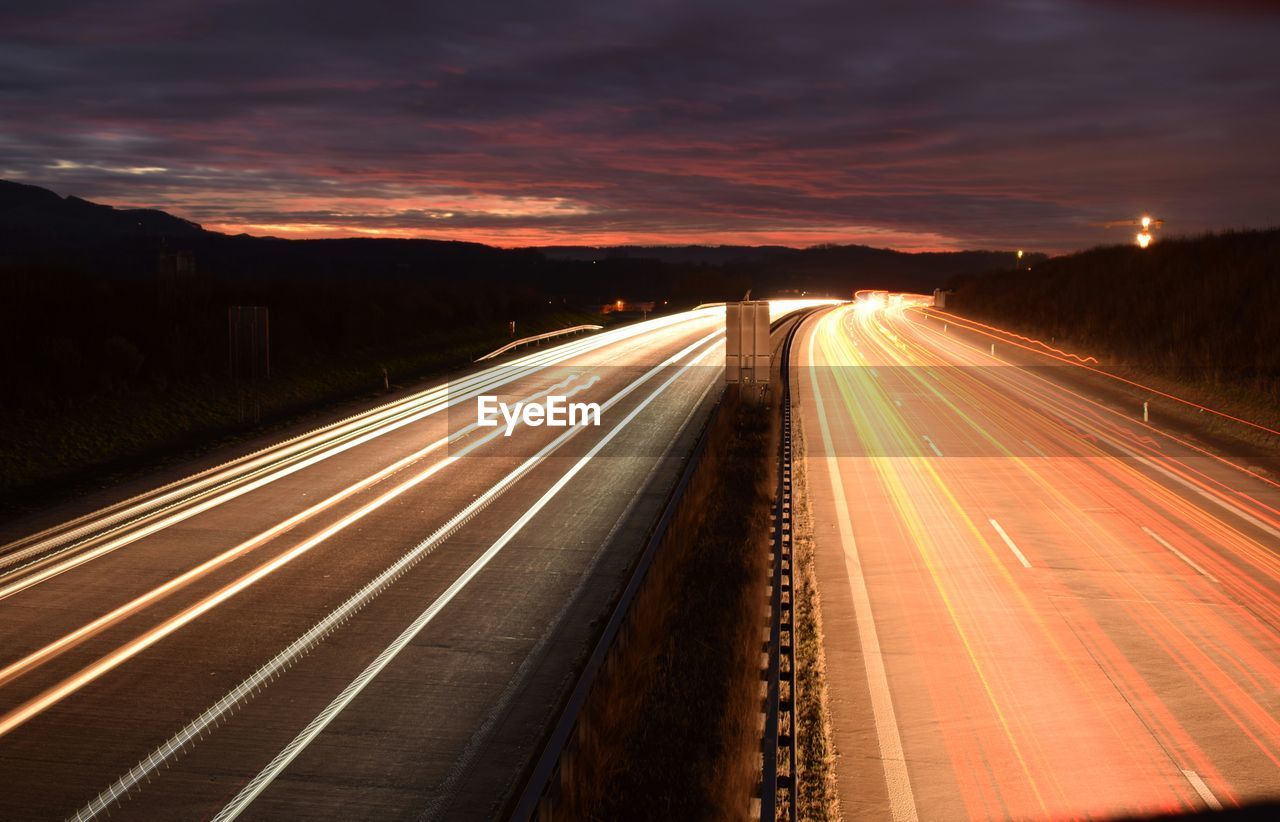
(375, 620)
(1034, 606)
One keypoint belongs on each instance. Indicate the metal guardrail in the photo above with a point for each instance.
(514, 344)
(778, 748)
(543, 779)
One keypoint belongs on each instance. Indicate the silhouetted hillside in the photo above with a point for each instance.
(30, 215)
(841, 268)
(837, 269)
(1200, 310)
(698, 254)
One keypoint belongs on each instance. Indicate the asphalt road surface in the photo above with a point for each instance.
(377, 620)
(1034, 606)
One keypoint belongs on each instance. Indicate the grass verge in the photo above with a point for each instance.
(816, 797)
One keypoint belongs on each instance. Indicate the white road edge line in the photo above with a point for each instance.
(1202, 789)
(902, 804)
(259, 783)
(925, 437)
(1179, 554)
(1012, 547)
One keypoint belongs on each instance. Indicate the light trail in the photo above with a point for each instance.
(136, 605)
(264, 778)
(1078, 412)
(43, 701)
(212, 716)
(223, 484)
(1072, 359)
(1111, 681)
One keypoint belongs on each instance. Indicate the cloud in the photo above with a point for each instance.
(924, 124)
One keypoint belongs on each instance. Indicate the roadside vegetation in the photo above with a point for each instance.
(1197, 315)
(674, 726)
(816, 797)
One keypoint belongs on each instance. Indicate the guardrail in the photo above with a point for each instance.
(539, 796)
(511, 346)
(778, 746)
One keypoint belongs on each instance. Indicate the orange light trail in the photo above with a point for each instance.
(977, 327)
(1108, 671)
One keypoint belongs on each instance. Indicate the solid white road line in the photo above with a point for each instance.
(1179, 554)
(1202, 789)
(902, 804)
(931, 445)
(1021, 557)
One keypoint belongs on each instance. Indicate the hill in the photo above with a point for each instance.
(30, 215)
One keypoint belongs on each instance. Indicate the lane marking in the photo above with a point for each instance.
(898, 403)
(902, 804)
(1033, 447)
(1179, 554)
(931, 445)
(1012, 547)
(1202, 789)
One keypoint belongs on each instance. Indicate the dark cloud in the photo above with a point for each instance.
(921, 124)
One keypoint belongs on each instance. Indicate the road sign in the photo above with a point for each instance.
(746, 348)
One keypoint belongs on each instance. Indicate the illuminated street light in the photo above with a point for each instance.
(1146, 222)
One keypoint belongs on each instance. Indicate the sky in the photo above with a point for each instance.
(908, 124)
